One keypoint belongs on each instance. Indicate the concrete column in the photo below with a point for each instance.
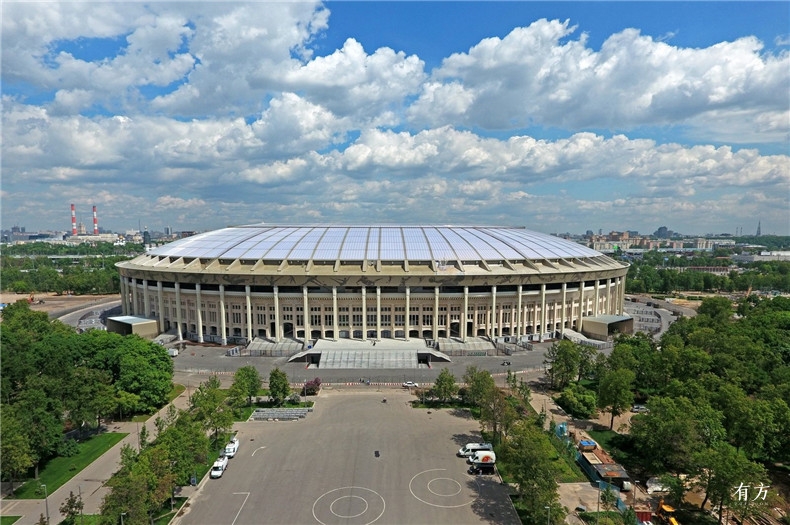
(542, 310)
(134, 297)
(378, 313)
(564, 307)
(146, 299)
(249, 313)
(334, 314)
(621, 293)
(199, 309)
(278, 335)
(436, 312)
(179, 318)
(582, 307)
(596, 306)
(501, 320)
(364, 314)
(465, 314)
(306, 316)
(492, 325)
(408, 313)
(124, 296)
(222, 325)
(161, 302)
(518, 325)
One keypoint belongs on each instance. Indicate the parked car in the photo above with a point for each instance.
(639, 409)
(410, 384)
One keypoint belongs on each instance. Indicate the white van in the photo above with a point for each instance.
(219, 467)
(484, 457)
(232, 447)
(470, 448)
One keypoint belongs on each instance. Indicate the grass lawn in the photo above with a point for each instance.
(8, 520)
(59, 470)
(176, 391)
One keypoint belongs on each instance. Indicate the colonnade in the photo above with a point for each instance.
(222, 314)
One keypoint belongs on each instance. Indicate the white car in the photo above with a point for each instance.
(410, 384)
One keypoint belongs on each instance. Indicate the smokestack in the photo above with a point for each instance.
(73, 221)
(95, 222)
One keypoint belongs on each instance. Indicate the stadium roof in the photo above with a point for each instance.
(374, 243)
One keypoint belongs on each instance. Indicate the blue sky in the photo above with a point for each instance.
(561, 117)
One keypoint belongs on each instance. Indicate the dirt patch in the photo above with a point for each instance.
(52, 303)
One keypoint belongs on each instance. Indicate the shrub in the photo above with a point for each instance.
(312, 387)
(578, 401)
(68, 448)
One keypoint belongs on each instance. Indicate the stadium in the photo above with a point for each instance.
(374, 283)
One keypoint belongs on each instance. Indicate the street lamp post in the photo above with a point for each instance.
(548, 517)
(46, 501)
(122, 515)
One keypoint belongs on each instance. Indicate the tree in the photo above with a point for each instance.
(478, 384)
(14, 446)
(608, 498)
(615, 393)
(722, 469)
(533, 473)
(247, 381)
(279, 388)
(90, 395)
(71, 508)
(209, 407)
(444, 387)
(497, 413)
(667, 437)
(40, 417)
(563, 360)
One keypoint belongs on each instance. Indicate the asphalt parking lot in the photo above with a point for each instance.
(355, 460)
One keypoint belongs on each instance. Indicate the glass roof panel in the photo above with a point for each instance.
(442, 251)
(372, 246)
(417, 248)
(329, 246)
(462, 247)
(488, 241)
(392, 244)
(304, 248)
(362, 242)
(354, 245)
(285, 245)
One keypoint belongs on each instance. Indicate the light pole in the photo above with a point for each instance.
(548, 517)
(46, 501)
(122, 515)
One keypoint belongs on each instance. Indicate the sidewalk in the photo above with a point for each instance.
(90, 481)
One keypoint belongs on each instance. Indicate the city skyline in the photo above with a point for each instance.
(559, 117)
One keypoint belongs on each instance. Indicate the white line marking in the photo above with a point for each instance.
(256, 450)
(242, 505)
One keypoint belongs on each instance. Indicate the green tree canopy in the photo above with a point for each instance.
(615, 393)
(444, 387)
(279, 388)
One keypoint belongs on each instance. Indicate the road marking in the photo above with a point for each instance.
(242, 505)
(254, 451)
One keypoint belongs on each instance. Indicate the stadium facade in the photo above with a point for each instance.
(370, 283)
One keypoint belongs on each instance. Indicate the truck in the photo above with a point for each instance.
(232, 447)
(219, 467)
(483, 457)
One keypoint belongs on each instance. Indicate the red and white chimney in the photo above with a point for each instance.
(73, 220)
(95, 222)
